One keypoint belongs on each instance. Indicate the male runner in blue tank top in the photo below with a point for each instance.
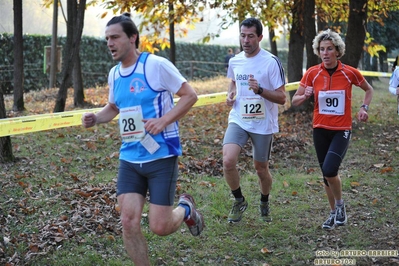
(141, 89)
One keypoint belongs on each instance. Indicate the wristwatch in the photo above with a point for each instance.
(260, 90)
(365, 106)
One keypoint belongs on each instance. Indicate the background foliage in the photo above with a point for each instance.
(34, 77)
(195, 61)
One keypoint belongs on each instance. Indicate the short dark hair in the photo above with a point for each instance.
(253, 22)
(127, 24)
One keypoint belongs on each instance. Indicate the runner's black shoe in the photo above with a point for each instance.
(329, 224)
(340, 215)
(265, 211)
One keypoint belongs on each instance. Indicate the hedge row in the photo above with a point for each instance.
(195, 61)
(94, 57)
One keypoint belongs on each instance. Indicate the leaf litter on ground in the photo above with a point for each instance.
(93, 210)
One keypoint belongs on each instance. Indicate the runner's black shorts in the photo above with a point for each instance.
(331, 147)
(159, 177)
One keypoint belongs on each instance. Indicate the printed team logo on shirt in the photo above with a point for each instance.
(243, 79)
(243, 76)
(137, 85)
(244, 83)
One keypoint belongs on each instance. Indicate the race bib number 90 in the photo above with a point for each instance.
(252, 108)
(131, 124)
(332, 102)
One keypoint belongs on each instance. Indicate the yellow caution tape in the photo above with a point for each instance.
(26, 124)
(208, 99)
(375, 74)
(292, 86)
(34, 123)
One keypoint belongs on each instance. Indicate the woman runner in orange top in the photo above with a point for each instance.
(330, 83)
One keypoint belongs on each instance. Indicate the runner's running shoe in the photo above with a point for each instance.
(236, 212)
(195, 221)
(265, 211)
(329, 224)
(340, 215)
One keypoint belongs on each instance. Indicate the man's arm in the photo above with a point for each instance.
(277, 96)
(104, 116)
(231, 93)
(188, 98)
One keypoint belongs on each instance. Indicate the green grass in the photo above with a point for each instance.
(58, 205)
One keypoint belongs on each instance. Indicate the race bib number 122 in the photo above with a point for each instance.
(252, 108)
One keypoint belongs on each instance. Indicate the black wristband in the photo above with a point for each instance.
(365, 106)
(260, 90)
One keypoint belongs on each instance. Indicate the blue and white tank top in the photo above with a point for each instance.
(133, 90)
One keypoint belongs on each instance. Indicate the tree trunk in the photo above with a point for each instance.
(321, 23)
(309, 32)
(172, 42)
(295, 47)
(356, 33)
(273, 44)
(74, 33)
(6, 154)
(18, 58)
(383, 61)
(367, 65)
(78, 91)
(54, 48)
(296, 43)
(241, 18)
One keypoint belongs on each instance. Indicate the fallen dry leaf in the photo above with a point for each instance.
(265, 251)
(386, 170)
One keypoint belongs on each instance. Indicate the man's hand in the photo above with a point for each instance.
(253, 84)
(230, 100)
(154, 126)
(89, 120)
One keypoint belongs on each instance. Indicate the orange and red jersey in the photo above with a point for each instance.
(340, 82)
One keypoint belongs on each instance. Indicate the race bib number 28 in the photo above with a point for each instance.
(131, 124)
